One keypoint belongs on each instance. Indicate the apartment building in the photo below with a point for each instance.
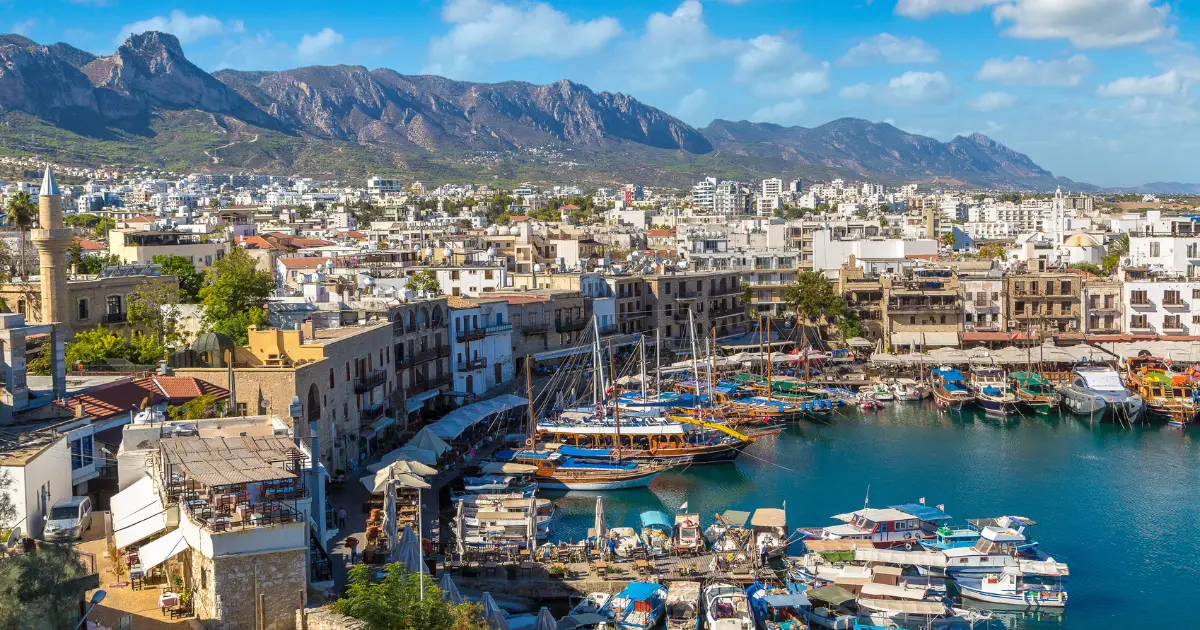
(342, 374)
(923, 309)
(138, 246)
(102, 299)
(1161, 304)
(481, 346)
(1103, 306)
(983, 302)
(710, 300)
(547, 322)
(768, 277)
(421, 348)
(1047, 301)
(862, 293)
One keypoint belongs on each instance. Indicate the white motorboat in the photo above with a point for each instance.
(1013, 586)
(908, 390)
(726, 607)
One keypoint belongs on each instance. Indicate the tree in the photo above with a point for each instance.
(234, 294)
(155, 305)
(21, 213)
(103, 226)
(1109, 264)
(203, 406)
(850, 325)
(94, 346)
(365, 212)
(992, 250)
(1089, 267)
(424, 280)
(41, 589)
(85, 221)
(813, 298)
(91, 265)
(395, 602)
(8, 509)
(949, 239)
(190, 280)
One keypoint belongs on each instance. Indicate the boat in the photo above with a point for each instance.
(769, 526)
(559, 472)
(627, 542)
(1096, 391)
(1012, 586)
(777, 609)
(992, 392)
(726, 607)
(1034, 393)
(1168, 395)
(950, 389)
(642, 436)
(728, 533)
(951, 538)
(908, 390)
(878, 391)
(656, 533)
(830, 608)
(905, 524)
(639, 606)
(1023, 525)
(683, 606)
(999, 547)
(687, 535)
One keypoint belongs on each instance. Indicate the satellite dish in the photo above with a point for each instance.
(13, 537)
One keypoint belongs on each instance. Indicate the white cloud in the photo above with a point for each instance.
(670, 43)
(312, 47)
(24, 26)
(260, 51)
(924, 8)
(908, 89)
(992, 101)
(1168, 83)
(887, 48)
(1084, 23)
(1036, 72)
(1147, 112)
(486, 31)
(187, 28)
(784, 113)
(1087, 23)
(694, 105)
(777, 68)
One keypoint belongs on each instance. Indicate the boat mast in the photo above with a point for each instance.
(612, 369)
(657, 362)
(760, 343)
(642, 349)
(760, 333)
(712, 375)
(600, 395)
(532, 442)
(695, 369)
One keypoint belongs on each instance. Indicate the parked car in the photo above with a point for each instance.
(68, 519)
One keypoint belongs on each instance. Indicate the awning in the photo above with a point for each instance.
(899, 606)
(947, 339)
(418, 401)
(137, 513)
(382, 424)
(427, 440)
(924, 339)
(378, 482)
(156, 552)
(893, 591)
(859, 342)
(456, 422)
(835, 595)
(906, 339)
(790, 600)
(559, 354)
(408, 452)
(508, 468)
(366, 434)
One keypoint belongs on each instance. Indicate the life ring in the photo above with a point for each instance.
(908, 534)
(908, 546)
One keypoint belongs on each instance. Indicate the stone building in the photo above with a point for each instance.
(136, 246)
(713, 300)
(102, 299)
(922, 310)
(1046, 301)
(1103, 306)
(547, 322)
(863, 294)
(421, 338)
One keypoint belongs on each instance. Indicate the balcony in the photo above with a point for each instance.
(1140, 302)
(608, 330)
(425, 356)
(405, 362)
(570, 325)
(687, 295)
(475, 334)
(498, 329)
(438, 381)
(443, 352)
(473, 364)
(114, 318)
(1176, 328)
(907, 307)
(538, 328)
(416, 387)
(371, 413)
(369, 381)
(1176, 303)
(734, 290)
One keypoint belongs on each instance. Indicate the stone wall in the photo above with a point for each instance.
(235, 585)
(322, 619)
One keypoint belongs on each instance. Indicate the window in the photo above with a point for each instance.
(1154, 248)
(83, 308)
(1196, 319)
(1138, 321)
(1196, 293)
(667, 288)
(1139, 298)
(242, 409)
(1172, 322)
(1066, 287)
(330, 378)
(113, 304)
(1172, 297)
(1065, 308)
(204, 578)
(347, 371)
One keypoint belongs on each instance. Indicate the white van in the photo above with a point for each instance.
(68, 519)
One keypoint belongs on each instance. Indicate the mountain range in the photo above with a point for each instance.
(148, 104)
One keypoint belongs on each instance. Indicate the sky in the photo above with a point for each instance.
(1101, 91)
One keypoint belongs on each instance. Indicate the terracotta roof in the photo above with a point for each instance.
(303, 262)
(523, 299)
(660, 232)
(90, 245)
(255, 242)
(519, 217)
(453, 301)
(569, 207)
(119, 399)
(310, 242)
(140, 219)
(355, 234)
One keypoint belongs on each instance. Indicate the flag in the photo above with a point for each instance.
(683, 507)
(922, 501)
(941, 507)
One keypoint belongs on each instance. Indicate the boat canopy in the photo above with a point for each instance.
(831, 594)
(893, 591)
(577, 451)
(508, 468)
(735, 518)
(583, 620)
(949, 374)
(769, 517)
(1029, 379)
(654, 518)
(926, 513)
(898, 606)
(640, 591)
(684, 592)
(788, 600)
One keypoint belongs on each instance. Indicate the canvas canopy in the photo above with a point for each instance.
(427, 440)
(735, 518)
(458, 421)
(158, 551)
(895, 606)
(137, 513)
(832, 594)
(769, 517)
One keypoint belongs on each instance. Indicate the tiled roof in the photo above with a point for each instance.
(310, 242)
(660, 232)
(453, 301)
(255, 242)
(303, 262)
(519, 217)
(90, 245)
(119, 399)
(140, 219)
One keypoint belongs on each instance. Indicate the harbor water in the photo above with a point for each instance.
(1119, 505)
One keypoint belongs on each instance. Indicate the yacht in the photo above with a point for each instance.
(559, 472)
(1013, 586)
(1034, 393)
(726, 607)
(1098, 393)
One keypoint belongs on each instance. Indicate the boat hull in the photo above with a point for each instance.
(1098, 406)
(998, 408)
(553, 483)
(950, 402)
(1029, 598)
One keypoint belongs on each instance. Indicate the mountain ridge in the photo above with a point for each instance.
(148, 99)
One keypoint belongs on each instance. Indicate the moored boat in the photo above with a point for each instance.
(687, 535)
(683, 605)
(1034, 393)
(556, 471)
(1169, 396)
(950, 389)
(770, 531)
(1096, 391)
(726, 607)
(1012, 586)
(638, 606)
(992, 392)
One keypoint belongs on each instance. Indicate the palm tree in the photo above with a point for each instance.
(21, 213)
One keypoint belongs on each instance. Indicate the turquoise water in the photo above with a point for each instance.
(1120, 505)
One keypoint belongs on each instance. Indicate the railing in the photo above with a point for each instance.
(921, 306)
(572, 325)
(1175, 303)
(367, 382)
(425, 356)
(416, 387)
(473, 364)
(114, 318)
(687, 295)
(608, 330)
(498, 329)
(475, 334)
(726, 291)
(242, 516)
(536, 329)
(443, 352)
(1140, 302)
(438, 381)
(372, 412)
(405, 362)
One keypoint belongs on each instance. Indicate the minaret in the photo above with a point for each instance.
(52, 241)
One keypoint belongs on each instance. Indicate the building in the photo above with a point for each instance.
(422, 346)
(481, 350)
(709, 300)
(923, 309)
(102, 299)
(704, 193)
(1160, 303)
(731, 199)
(983, 301)
(1045, 301)
(141, 246)
(546, 323)
(862, 293)
(768, 278)
(1103, 306)
(773, 187)
(380, 186)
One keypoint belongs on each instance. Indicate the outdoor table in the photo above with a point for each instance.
(167, 600)
(601, 566)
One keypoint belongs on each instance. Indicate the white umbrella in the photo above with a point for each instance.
(391, 526)
(408, 551)
(426, 439)
(459, 544)
(545, 621)
(449, 590)
(377, 482)
(531, 526)
(492, 613)
(601, 526)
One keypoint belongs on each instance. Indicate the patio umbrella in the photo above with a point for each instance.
(426, 439)
(459, 544)
(492, 613)
(408, 551)
(449, 590)
(545, 621)
(377, 482)
(531, 526)
(601, 527)
(391, 525)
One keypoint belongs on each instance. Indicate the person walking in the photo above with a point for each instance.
(341, 514)
(762, 554)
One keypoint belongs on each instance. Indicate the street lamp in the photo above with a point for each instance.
(97, 597)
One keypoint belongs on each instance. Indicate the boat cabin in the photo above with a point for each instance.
(898, 524)
(688, 536)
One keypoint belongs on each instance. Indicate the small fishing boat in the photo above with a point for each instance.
(1169, 396)
(770, 531)
(628, 543)
(556, 471)
(869, 400)
(950, 389)
(1096, 391)
(951, 538)
(688, 539)
(1012, 586)
(726, 607)
(908, 390)
(639, 606)
(830, 608)
(1034, 393)
(656, 533)
(992, 392)
(728, 533)
(777, 609)
(683, 606)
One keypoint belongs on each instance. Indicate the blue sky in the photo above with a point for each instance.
(1097, 90)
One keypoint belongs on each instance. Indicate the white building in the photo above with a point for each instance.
(703, 193)
(772, 187)
(1165, 306)
(481, 344)
(830, 253)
